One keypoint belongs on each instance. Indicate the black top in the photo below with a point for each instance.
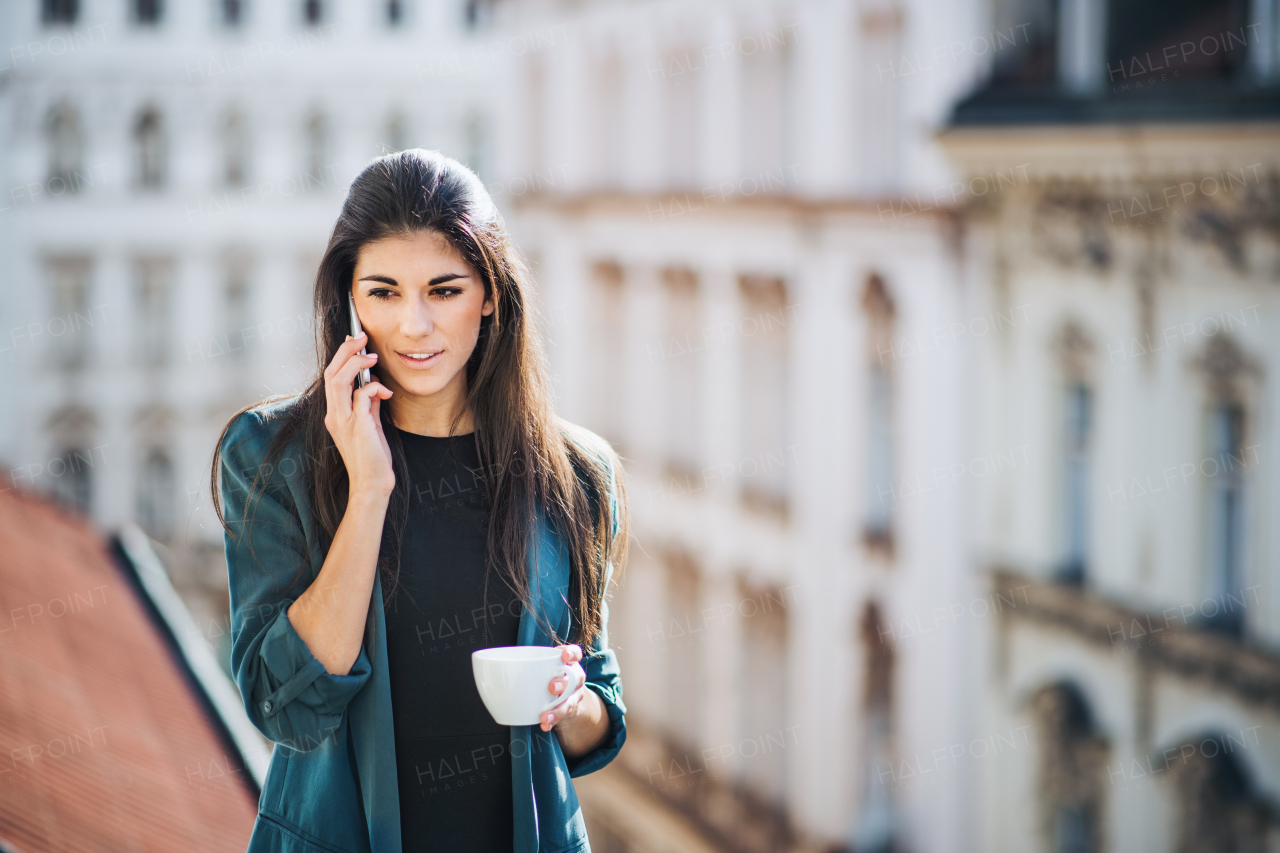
(452, 759)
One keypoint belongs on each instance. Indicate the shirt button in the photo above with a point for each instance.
(266, 706)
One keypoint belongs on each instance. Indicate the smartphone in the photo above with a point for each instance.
(363, 376)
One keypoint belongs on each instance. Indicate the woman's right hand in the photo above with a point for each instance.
(352, 418)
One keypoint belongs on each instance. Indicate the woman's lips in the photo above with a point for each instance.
(420, 363)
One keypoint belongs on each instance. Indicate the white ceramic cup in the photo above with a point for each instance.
(514, 682)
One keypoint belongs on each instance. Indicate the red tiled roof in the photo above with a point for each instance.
(103, 746)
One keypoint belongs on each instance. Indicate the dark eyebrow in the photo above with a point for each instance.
(440, 279)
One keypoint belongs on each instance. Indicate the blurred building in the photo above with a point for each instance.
(172, 172)
(1135, 554)
(938, 340)
(752, 277)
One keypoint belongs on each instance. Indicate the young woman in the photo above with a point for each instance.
(448, 480)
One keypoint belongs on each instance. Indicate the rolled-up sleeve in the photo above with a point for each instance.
(289, 695)
(603, 674)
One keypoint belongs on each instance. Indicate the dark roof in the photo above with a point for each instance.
(106, 745)
(1153, 103)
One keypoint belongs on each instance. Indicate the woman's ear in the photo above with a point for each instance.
(490, 303)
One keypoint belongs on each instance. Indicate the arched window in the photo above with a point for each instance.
(66, 149)
(72, 473)
(477, 144)
(1072, 767)
(873, 827)
(156, 496)
(879, 494)
(1228, 457)
(149, 149)
(235, 149)
(312, 12)
(1217, 806)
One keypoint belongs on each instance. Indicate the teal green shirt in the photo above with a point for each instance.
(332, 783)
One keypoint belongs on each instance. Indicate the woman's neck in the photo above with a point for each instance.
(425, 416)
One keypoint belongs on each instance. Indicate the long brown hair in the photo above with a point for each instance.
(529, 457)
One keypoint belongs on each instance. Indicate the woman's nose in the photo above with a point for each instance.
(416, 321)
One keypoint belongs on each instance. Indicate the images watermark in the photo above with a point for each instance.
(691, 61)
(56, 608)
(1208, 326)
(1209, 608)
(58, 44)
(1173, 476)
(948, 475)
(60, 747)
(55, 327)
(73, 462)
(721, 613)
(1147, 771)
(713, 194)
(253, 195)
(941, 337)
(950, 194)
(942, 618)
(1145, 207)
(54, 186)
(475, 59)
(214, 66)
(677, 346)
(1178, 53)
(938, 761)
(690, 770)
(680, 484)
(979, 45)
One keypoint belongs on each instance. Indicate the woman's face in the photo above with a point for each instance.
(420, 303)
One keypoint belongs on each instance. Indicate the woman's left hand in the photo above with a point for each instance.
(568, 709)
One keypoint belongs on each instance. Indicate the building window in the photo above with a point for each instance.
(681, 118)
(395, 12)
(874, 822)
(1225, 522)
(766, 455)
(762, 706)
(312, 12)
(1073, 761)
(1218, 807)
(878, 479)
(1075, 354)
(317, 145)
(152, 295)
(156, 495)
(69, 329)
(73, 480)
(1028, 43)
(59, 11)
(682, 363)
(684, 682)
(66, 148)
(147, 12)
(877, 120)
(1077, 404)
(149, 149)
(232, 12)
(235, 150)
(763, 132)
(477, 13)
(607, 358)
